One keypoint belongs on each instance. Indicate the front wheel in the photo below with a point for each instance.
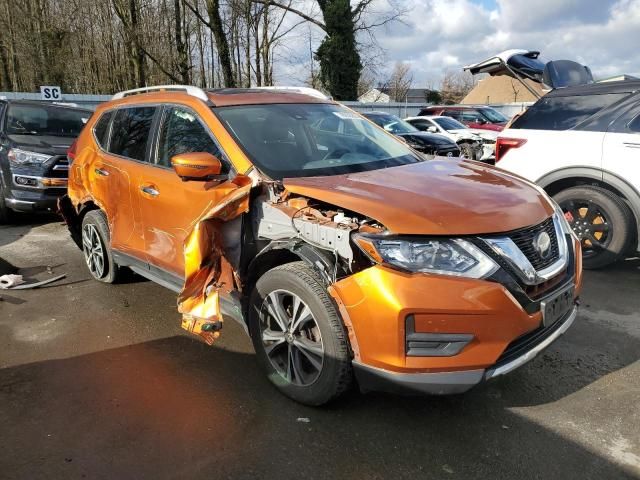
(601, 220)
(298, 335)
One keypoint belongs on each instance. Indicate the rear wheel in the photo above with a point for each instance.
(601, 220)
(298, 336)
(96, 247)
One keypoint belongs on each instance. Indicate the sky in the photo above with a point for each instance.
(438, 35)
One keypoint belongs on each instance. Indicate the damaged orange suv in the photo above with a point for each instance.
(346, 255)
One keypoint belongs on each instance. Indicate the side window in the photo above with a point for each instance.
(453, 114)
(101, 129)
(182, 132)
(634, 125)
(470, 116)
(130, 132)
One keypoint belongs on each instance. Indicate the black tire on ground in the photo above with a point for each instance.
(335, 376)
(616, 234)
(6, 214)
(97, 220)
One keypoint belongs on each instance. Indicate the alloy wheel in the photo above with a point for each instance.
(590, 224)
(93, 250)
(291, 338)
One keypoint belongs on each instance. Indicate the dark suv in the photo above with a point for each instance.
(34, 138)
(482, 117)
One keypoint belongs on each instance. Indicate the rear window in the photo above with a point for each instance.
(101, 129)
(130, 132)
(564, 113)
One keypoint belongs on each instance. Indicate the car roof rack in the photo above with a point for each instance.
(312, 92)
(188, 89)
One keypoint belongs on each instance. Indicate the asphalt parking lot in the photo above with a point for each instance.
(99, 381)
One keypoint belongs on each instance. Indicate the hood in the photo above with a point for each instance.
(436, 197)
(50, 145)
(494, 127)
(485, 134)
(464, 134)
(427, 138)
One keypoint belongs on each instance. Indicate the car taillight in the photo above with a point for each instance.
(503, 145)
(71, 153)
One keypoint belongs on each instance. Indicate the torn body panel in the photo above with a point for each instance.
(207, 269)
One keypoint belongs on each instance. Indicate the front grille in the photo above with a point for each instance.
(524, 240)
(60, 168)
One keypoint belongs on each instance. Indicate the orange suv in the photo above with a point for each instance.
(346, 255)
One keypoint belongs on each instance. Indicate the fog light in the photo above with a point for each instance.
(26, 181)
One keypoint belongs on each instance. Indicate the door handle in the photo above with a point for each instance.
(631, 144)
(149, 190)
(101, 172)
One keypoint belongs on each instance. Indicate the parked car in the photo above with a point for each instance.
(424, 142)
(34, 138)
(343, 252)
(473, 116)
(580, 143)
(475, 144)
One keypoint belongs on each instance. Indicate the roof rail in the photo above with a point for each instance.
(188, 89)
(312, 92)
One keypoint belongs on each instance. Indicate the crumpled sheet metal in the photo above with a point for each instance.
(207, 272)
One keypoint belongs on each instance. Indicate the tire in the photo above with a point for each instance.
(96, 244)
(6, 214)
(601, 220)
(307, 377)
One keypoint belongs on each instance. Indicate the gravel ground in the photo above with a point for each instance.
(98, 381)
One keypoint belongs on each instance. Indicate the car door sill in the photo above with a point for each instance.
(230, 304)
(161, 277)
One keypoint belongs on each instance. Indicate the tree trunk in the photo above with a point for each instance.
(213, 8)
(181, 48)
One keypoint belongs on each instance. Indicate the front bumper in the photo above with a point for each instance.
(444, 334)
(447, 383)
(33, 200)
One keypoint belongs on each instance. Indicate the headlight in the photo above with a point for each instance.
(564, 224)
(441, 256)
(18, 158)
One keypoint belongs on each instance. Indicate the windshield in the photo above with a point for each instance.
(449, 124)
(391, 123)
(304, 140)
(45, 120)
(493, 115)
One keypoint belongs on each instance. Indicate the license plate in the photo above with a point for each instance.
(556, 307)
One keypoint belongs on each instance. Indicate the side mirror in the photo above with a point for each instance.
(481, 121)
(196, 166)
(432, 129)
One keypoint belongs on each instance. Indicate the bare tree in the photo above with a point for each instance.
(399, 82)
(455, 86)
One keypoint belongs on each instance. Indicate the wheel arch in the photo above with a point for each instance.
(280, 253)
(73, 216)
(562, 179)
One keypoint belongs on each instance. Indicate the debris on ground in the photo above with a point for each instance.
(10, 281)
(17, 283)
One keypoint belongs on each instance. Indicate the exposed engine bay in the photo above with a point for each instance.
(224, 251)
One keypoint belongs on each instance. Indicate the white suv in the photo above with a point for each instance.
(582, 145)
